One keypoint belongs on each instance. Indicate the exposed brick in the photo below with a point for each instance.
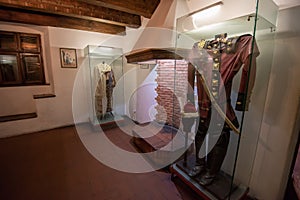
(171, 86)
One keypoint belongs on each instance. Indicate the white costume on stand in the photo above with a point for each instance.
(103, 95)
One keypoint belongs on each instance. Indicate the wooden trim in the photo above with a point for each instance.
(46, 19)
(42, 96)
(24, 84)
(78, 9)
(29, 60)
(18, 117)
(138, 7)
(152, 54)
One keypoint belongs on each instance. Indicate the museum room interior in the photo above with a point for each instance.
(161, 99)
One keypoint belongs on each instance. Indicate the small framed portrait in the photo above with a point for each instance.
(68, 58)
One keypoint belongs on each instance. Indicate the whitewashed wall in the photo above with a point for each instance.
(57, 111)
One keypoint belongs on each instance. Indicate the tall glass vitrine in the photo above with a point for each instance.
(230, 59)
(106, 83)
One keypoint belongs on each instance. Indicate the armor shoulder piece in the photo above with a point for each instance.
(231, 44)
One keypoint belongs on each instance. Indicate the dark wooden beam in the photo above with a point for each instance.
(151, 54)
(42, 19)
(77, 9)
(17, 117)
(139, 7)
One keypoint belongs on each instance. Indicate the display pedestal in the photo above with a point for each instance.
(219, 189)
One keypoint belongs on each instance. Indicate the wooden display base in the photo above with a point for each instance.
(218, 190)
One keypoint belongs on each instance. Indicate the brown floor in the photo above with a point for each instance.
(54, 164)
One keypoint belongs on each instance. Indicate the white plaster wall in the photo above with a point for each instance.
(57, 111)
(21, 101)
(134, 79)
(146, 94)
(279, 129)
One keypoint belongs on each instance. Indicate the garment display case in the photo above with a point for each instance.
(230, 59)
(106, 83)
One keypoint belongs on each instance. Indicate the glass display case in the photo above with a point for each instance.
(106, 83)
(230, 58)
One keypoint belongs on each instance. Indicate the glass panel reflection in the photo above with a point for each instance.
(9, 68)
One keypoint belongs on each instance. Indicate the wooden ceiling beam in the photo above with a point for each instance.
(152, 54)
(77, 9)
(139, 7)
(42, 19)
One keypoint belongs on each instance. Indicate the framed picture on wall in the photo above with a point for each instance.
(68, 58)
